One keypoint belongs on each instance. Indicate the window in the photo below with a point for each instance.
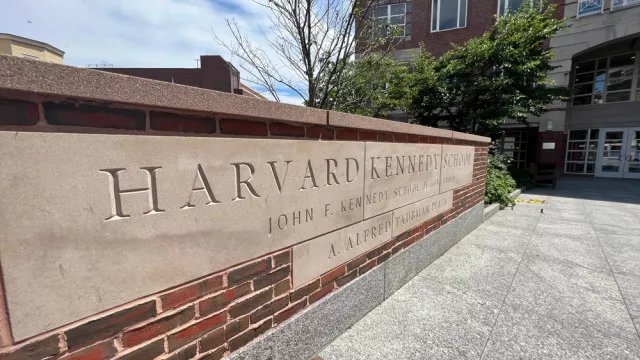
(508, 5)
(616, 4)
(605, 80)
(448, 14)
(582, 151)
(514, 145)
(393, 20)
(588, 7)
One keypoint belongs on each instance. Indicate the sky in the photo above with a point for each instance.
(136, 33)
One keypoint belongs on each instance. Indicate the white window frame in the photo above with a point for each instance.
(506, 4)
(466, 11)
(586, 162)
(578, 15)
(625, 4)
(389, 16)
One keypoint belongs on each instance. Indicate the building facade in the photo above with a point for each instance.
(214, 73)
(595, 133)
(30, 49)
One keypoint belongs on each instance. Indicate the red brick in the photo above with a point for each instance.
(15, 112)
(290, 311)
(162, 121)
(100, 351)
(388, 245)
(146, 332)
(186, 353)
(212, 340)
(280, 129)
(320, 293)
(282, 258)
(320, 132)
(355, 263)
(400, 138)
(41, 349)
(385, 137)
(191, 292)
(346, 134)
(192, 332)
(218, 302)
(243, 127)
(271, 278)
(332, 275)
(249, 271)
(236, 327)
(269, 309)
(244, 338)
(413, 138)
(366, 267)
(147, 352)
(94, 116)
(215, 355)
(375, 253)
(282, 287)
(384, 257)
(109, 325)
(364, 135)
(248, 305)
(347, 278)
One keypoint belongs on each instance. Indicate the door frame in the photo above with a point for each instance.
(622, 158)
(626, 174)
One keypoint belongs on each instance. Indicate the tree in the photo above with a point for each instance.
(371, 86)
(500, 75)
(310, 44)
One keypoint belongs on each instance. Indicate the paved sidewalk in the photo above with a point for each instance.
(563, 284)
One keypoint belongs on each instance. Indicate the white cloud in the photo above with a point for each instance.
(134, 33)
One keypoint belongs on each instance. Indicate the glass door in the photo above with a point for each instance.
(611, 153)
(632, 155)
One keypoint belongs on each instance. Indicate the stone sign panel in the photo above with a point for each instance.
(90, 222)
(410, 216)
(111, 218)
(313, 258)
(399, 174)
(457, 167)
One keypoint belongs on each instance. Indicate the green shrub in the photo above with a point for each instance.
(499, 181)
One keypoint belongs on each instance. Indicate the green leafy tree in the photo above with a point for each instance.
(500, 75)
(371, 86)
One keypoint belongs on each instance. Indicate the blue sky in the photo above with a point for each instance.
(135, 33)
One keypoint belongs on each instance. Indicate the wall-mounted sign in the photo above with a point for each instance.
(548, 146)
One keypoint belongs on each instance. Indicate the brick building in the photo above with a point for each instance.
(214, 73)
(15, 45)
(596, 133)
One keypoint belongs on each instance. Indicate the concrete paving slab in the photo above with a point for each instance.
(452, 324)
(563, 284)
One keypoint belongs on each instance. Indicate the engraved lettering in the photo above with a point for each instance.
(387, 170)
(374, 162)
(200, 175)
(276, 177)
(308, 174)
(352, 179)
(399, 165)
(331, 173)
(246, 182)
(116, 193)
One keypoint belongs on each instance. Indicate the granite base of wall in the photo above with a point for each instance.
(305, 334)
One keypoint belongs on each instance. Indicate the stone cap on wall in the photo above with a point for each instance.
(38, 77)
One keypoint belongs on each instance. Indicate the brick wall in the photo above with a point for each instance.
(480, 17)
(209, 317)
(215, 315)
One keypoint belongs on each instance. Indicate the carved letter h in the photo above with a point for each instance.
(116, 192)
